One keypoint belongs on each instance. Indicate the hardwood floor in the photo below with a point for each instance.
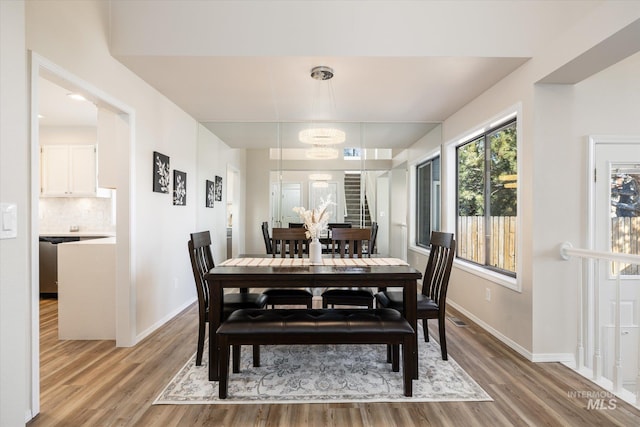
(93, 383)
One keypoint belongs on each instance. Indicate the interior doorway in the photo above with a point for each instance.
(125, 303)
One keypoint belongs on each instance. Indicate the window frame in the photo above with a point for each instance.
(485, 137)
(413, 200)
(450, 175)
(435, 191)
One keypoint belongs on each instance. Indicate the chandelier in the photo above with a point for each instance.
(322, 152)
(322, 136)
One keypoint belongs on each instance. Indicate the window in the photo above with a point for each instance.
(487, 181)
(427, 200)
(351, 153)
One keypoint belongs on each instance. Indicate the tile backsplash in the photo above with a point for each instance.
(58, 214)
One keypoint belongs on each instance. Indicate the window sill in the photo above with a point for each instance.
(495, 277)
(492, 276)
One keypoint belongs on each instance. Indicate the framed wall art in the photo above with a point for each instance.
(160, 173)
(218, 188)
(179, 188)
(210, 193)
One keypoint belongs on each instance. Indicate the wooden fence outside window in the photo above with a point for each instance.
(625, 238)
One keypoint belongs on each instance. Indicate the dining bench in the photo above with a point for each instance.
(317, 326)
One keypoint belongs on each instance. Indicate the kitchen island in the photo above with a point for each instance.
(86, 289)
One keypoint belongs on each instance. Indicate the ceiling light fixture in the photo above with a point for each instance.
(322, 135)
(320, 177)
(76, 96)
(322, 152)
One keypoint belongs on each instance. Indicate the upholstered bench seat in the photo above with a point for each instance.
(317, 326)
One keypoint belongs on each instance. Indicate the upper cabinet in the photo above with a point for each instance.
(68, 171)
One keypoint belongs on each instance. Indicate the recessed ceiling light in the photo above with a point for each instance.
(76, 96)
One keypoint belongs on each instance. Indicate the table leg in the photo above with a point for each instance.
(215, 313)
(411, 314)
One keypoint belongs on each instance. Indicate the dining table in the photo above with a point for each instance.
(247, 272)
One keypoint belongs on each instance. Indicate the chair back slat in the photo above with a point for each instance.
(374, 237)
(438, 270)
(201, 262)
(348, 242)
(267, 239)
(288, 241)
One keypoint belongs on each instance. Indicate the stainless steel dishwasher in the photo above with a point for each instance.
(49, 263)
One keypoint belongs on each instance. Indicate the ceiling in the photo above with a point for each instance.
(265, 102)
(56, 108)
(238, 69)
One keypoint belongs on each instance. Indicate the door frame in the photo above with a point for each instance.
(591, 177)
(590, 272)
(125, 210)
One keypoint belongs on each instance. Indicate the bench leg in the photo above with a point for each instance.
(224, 368)
(256, 356)
(395, 358)
(407, 365)
(236, 358)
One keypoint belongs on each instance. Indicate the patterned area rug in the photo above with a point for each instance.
(325, 373)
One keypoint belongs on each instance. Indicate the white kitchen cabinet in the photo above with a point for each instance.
(68, 171)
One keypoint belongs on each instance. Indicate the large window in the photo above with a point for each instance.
(427, 200)
(487, 184)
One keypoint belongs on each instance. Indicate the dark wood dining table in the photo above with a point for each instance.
(299, 273)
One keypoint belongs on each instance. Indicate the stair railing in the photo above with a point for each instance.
(589, 362)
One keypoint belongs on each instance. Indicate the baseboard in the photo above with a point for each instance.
(565, 358)
(503, 338)
(162, 321)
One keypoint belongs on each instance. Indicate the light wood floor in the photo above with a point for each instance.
(93, 383)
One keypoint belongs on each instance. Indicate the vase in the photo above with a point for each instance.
(315, 251)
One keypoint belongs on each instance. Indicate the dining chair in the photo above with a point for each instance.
(201, 262)
(348, 242)
(267, 239)
(432, 300)
(288, 241)
(374, 236)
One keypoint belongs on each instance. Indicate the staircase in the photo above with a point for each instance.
(352, 196)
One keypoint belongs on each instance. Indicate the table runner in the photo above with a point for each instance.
(285, 262)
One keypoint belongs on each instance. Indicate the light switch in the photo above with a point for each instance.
(9, 229)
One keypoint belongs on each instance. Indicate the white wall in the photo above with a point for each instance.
(73, 35)
(606, 104)
(212, 158)
(14, 188)
(549, 153)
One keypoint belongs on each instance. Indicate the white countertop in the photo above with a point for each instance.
(78, 234)
(103, 241)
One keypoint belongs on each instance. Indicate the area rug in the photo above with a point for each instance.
(327, 374)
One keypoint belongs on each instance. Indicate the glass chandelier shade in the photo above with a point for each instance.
(322, 152)
(322, 136)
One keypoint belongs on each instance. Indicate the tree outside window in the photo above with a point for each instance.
(487, 182)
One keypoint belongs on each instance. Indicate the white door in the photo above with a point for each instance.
(319, 193)
(283, 202)
(617, 229)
